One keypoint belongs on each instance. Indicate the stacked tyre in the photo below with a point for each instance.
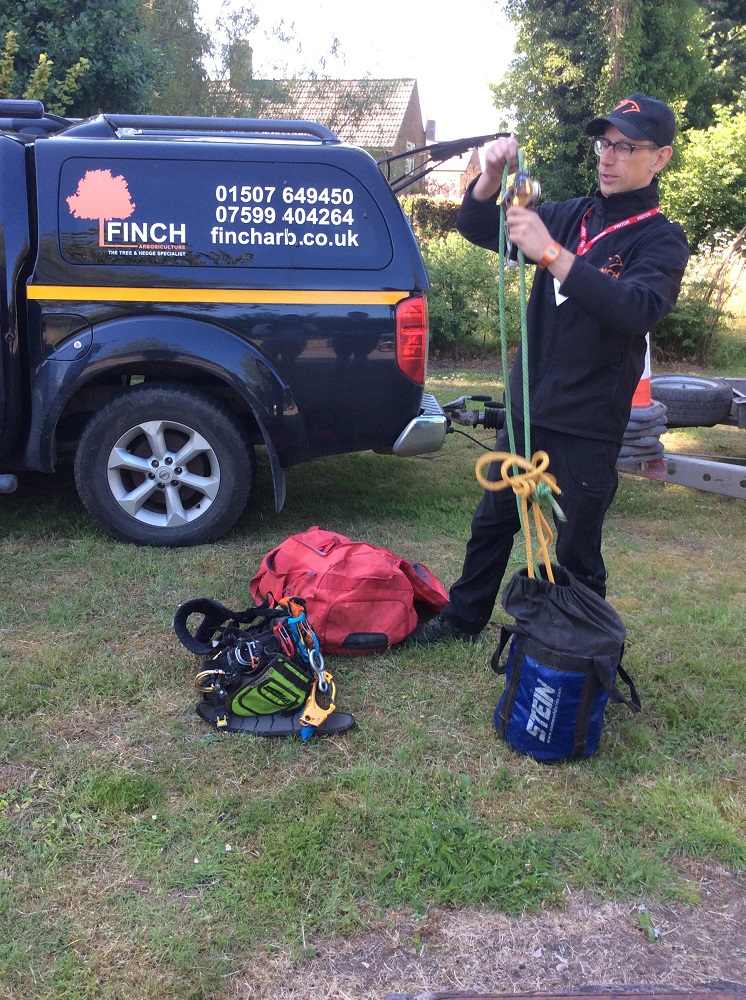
(692, 401)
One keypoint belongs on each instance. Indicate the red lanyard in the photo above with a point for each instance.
(585, 244)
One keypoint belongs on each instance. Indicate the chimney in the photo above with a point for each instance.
(240, 72)
(430, 130)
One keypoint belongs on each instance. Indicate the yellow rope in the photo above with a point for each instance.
(533, 480)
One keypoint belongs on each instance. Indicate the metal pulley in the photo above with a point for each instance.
(526, 192)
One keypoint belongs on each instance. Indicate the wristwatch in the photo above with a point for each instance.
(551, 254)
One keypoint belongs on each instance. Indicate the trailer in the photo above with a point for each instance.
(693, 401)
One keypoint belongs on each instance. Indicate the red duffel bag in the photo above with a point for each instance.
(360, 597)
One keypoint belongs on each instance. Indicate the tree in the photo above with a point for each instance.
(111, 37)
(101, 195)
(655, 48)
(236, 89)
(550, 86)
(706, 191)
(576, 58)
(725, 43)
(180, 86)
(40, 85)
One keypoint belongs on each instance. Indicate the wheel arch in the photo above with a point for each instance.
(179, 350)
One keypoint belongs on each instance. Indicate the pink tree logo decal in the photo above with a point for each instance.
(103, 196)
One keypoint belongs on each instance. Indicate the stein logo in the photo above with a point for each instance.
(543, 708)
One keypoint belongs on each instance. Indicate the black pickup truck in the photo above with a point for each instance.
(179, 291)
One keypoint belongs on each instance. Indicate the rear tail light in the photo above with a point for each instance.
(411, 337)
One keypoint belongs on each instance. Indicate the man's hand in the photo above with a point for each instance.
(531, 236)
(527, 231)
(500, 153)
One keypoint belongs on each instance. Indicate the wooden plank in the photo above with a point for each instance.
(714, 991)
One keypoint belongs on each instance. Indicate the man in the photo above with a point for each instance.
(608, 269)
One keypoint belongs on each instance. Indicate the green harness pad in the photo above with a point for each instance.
(283, 684)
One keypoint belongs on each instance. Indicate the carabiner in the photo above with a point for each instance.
(202, 675)
(305, 636)
(284, 638)
(316, 660)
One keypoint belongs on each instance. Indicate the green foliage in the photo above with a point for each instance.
(430, 217)
(180, 85)
(706, 189)
(549, 90)
(655, 48)
(693, 331)
(725, 42)
(576, 60)
(646, 925)
(7, 61)
(111, 37)
(40, 85)
(688, 333)
(39, 79)
(463, 299)
(68, 87)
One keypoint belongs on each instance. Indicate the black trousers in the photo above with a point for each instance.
(585, 470)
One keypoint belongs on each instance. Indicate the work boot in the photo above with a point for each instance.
(438, 629)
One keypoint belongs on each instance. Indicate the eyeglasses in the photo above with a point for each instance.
(622, 150)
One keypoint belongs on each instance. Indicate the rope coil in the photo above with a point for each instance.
(534, 483)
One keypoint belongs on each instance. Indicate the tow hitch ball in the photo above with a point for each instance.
(493, 417)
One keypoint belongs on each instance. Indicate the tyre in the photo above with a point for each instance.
(164, 465)
(692, 401)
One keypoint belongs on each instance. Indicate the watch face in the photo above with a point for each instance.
(551, 254)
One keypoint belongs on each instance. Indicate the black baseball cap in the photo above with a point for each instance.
(639, 117)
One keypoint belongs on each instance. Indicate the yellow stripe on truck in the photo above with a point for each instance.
(84, 293)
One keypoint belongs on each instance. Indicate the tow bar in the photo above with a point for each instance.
(457, 412)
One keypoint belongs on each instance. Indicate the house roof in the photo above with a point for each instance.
(339, 104)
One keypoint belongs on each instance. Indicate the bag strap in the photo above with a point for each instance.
(633, 703)
(216, 618)
(296, 548)
(506, 632)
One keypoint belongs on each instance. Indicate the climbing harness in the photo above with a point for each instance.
(265, 661)
(534, 483)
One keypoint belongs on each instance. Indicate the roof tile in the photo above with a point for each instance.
(341, 105)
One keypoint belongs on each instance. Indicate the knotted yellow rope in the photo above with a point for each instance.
(533, 480)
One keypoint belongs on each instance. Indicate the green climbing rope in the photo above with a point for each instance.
(504, 340)
(542, 489)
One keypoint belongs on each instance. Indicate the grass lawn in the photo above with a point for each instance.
(144, 855)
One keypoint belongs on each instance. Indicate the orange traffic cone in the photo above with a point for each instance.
(641, 445)
(642, 395)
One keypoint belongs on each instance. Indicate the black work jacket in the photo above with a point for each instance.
(586, 338)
